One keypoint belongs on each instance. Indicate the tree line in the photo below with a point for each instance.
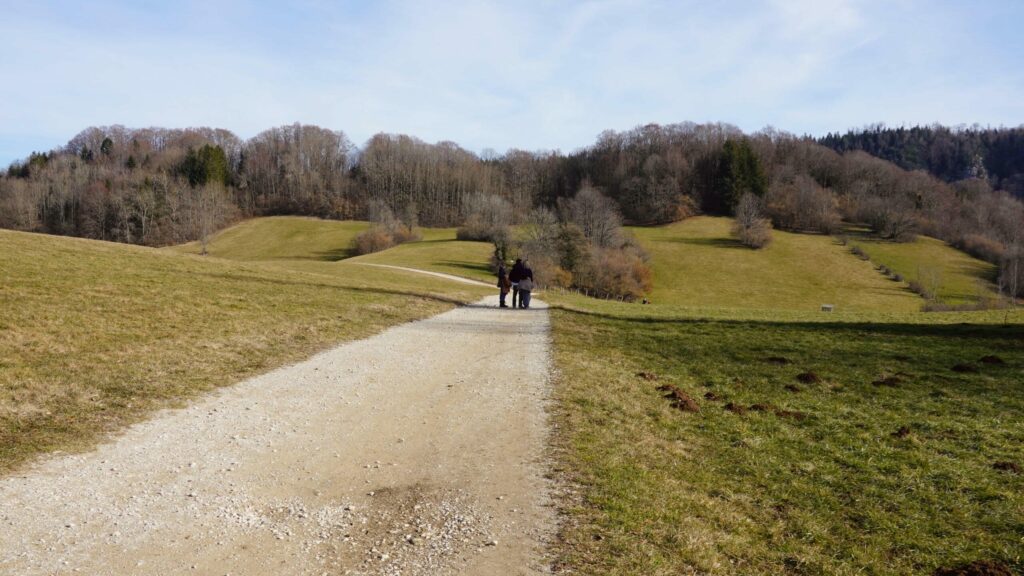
(994, 154)
(160, 186)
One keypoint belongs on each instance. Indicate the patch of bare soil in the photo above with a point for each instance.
(793, 388)
(711, 396)
(976, 568)
(777, 360)
(902, 432)
(888, 381)
(735, 408)
(679, 399)
(1007, 466)
(761, 407)
(808, 377)
(992, 360)
(964, 368)
(649, 376)
(791, 414)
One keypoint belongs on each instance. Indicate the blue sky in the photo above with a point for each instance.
(527, 74)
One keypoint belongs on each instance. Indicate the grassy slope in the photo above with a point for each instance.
(95, 335)
(697, 263)
(282, 238)
(963, 278)
(438, 251)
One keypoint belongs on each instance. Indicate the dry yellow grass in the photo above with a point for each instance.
(95, 335)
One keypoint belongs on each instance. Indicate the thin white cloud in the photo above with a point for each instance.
(535, 74)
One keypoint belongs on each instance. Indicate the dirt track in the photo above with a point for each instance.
(417, 451)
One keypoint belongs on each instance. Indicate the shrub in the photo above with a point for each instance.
(373, 240)
(859, 252)
(801, 204)
(1011, 272)
(487, 219)
(616, 274)
(752, 229)
(982, 247)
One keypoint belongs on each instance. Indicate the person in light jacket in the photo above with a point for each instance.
(525, 287)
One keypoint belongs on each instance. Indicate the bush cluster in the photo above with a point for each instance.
(751, 227)
(386, 230)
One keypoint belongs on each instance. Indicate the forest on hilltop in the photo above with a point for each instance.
(158, 186)
(993, 154)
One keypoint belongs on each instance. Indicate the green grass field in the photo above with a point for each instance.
(811, 478)
(95, 335)
(282, 238)
(438, 251)
(698, 263)
(960, 277)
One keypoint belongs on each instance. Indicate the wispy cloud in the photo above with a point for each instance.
(529, 74)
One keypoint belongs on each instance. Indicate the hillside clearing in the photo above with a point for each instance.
(282, 238)
(959, 277)
(698, 263)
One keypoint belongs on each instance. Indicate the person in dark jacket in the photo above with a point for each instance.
(504, 284)
(515, 276)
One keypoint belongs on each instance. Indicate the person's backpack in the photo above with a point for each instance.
(526, 284)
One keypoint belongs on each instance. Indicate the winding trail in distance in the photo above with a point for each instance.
(417, 451)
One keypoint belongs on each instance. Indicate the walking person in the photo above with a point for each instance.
(525, 287)
(504, 285)
(514, 277)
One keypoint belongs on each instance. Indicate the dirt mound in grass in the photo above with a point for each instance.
(808, 377)
(976, 568)
(1006, 466)
(650, 376)
(735, 408)
(793, 388)
(903, 432)
(991, 359)
(890, 381)
(760, 407)
(679, 399)
(964, 368)
(791, 414)
(780, 360)
(710, 396)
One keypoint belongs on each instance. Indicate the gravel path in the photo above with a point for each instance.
(417, 451)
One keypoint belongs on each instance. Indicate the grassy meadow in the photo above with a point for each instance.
(818, 447)
(877, 439)
(96, 335)
(871, 440)
(697, 263)
(960, 278)
(437, 251)
(282, 238)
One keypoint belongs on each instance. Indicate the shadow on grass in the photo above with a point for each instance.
(465, 266)
(713, 242)
(335, 287)
(334, 255)
(1012, 332)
